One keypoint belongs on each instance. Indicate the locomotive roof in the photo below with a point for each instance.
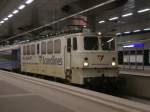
(8, 47)
(62, 35)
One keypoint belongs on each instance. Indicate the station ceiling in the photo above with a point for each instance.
(41, 12)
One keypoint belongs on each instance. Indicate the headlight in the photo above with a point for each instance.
(85, 64)
(113, 63)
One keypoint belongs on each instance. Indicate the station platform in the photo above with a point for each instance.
(140, 71)
(19, 93)
(145, 73)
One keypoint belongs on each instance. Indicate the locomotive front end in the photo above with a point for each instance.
(96, 61)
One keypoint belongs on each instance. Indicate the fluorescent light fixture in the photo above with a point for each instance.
(135, 31)
(147, 29)
(118, 34)
(15, 11)
(5, 19)
(29, 1)
(127, 32)
(114, 18)
(110, 40)
(128, 46)
(1, 22)
(10, 15)
(128, 14)
(143, 10)
(21, 7)
(27, 40)
(101, 22)
(136, 45)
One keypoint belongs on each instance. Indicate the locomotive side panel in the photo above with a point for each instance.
(47, 59)
(29, 58)
(54, 60)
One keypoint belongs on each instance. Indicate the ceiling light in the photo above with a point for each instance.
(143, 10)
(15, 11)
(128, 46)
(29, 1)
(1, 22)
(27, 40)
(114, 18)
(5, 19)
(21, 7)
(10, 15)
(146, 29)
(135, 31)
(110, 40)
(101, 22)
(127, 32)
(126, 15)
(136, 45)
(117, 34)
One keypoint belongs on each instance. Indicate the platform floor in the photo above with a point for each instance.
(23, 94)
(133, 71)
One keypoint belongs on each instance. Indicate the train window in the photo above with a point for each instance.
(43, 47)
(24, 50)
(91, 43)
(32, 49)
(68, 45)
(38, 48)
(140, 52)
(50, 47)
(108, 43)
(57, 46)
(126, 52)
(28, 50)
(74, 43)
(132, 52)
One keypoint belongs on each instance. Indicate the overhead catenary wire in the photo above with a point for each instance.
(61, 19)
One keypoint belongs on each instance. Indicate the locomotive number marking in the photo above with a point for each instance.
(100, 57)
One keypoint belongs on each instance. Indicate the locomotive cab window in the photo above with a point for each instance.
(91, 43)
(108, 43)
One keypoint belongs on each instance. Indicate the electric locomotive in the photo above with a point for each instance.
(79, 58)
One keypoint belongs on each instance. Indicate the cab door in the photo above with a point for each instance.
(68, 54)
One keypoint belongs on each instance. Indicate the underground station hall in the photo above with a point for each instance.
(74, 55)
